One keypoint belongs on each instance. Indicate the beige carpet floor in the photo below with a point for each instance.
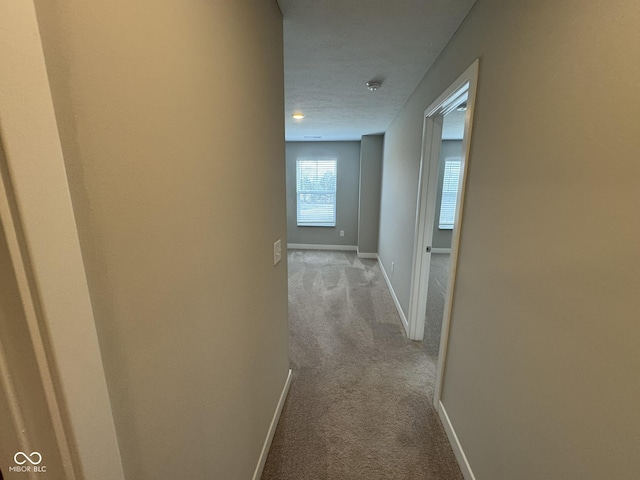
(438, 276)
(359, 406)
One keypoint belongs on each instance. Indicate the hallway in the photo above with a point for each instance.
(360, 400)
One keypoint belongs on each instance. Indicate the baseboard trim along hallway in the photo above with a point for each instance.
(393, 295)
(455, 444)
(372, 256)
(272, 429)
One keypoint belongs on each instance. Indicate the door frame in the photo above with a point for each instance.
(38, 219)
(462, 89)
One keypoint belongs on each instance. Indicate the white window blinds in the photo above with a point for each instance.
(449, 193)
(316, 192)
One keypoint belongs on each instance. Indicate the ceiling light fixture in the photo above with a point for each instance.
(373, 85)
(298, 116)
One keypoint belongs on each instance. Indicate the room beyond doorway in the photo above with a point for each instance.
(443, 226)
(458, 97)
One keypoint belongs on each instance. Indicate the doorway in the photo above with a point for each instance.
(440, 205)
(448, 186)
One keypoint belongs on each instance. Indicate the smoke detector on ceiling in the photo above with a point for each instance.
(373, 85)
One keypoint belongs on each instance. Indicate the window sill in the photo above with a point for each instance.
(316, 225)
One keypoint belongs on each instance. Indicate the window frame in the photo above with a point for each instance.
(446, 225)
(317, 221)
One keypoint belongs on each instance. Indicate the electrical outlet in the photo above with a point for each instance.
(342, 233)
(393, 267)
(277, 252)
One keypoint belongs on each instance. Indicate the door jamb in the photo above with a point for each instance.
(44, 246)
(425, 212)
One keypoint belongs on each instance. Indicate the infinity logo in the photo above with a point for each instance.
(27, 458)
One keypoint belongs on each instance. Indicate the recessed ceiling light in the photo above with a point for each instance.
(373, 85)
(298, 116)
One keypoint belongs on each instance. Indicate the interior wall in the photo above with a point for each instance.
(449, 148)
(539, 379)
(347, 192)
(371, 148)
(177, 211)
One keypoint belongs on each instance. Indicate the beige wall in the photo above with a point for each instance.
(541, 377)
(176, 168)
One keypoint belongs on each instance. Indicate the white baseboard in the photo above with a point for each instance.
(467, 473)
(272, 429)
(308, 246)
(373, 256)
(393, 295)
(441, 250)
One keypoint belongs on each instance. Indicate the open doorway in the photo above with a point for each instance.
(448, 187)
(443, 168)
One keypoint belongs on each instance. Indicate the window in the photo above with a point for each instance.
(316, 192)
(449, 193)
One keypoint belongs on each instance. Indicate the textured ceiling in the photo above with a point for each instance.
(333, 47)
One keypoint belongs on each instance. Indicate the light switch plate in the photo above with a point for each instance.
(277, 252)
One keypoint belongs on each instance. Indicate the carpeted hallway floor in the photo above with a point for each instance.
(360, 400)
